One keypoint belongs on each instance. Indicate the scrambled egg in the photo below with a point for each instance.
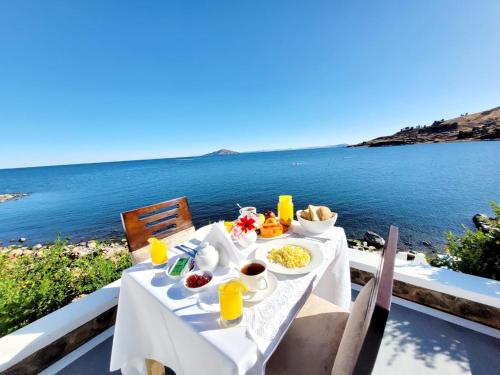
(290, 256)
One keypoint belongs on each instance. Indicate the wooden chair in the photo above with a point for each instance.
(325, 339)
(169, 221)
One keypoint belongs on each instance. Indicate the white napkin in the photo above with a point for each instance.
(220, 239)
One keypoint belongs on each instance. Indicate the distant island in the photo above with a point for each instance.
(468, 127)
(222, 151)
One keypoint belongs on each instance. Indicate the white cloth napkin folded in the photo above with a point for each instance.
(220, 239)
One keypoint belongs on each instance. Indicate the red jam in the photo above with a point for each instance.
(196, 281)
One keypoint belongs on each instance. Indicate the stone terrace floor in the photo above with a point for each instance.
(414, 343)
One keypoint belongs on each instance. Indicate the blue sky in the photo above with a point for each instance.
(87, 81)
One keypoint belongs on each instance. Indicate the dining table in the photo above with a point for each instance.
(159, 319)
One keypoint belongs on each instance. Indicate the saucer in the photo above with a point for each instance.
(258, 296)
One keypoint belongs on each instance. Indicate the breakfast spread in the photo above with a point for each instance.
(272, 227)
(197, 281)
(290, 256)
(180, 267)
(317, 213)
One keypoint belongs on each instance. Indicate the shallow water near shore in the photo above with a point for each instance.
(424, 189)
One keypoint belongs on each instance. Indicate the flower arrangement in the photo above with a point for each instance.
(244, 229)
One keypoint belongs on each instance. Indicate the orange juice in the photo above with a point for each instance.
(158, 251)
(229, 226)
(231, 301)
(285, 210)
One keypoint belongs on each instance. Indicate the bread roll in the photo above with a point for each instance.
(324, 213)
(305, 215)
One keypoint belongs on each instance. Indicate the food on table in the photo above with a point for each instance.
(197, 281)
(180, 267)
(285, 209)
(317, 213)
(290, 256)
(269, 214)
(262, 218)
(229, 226)
(271, 227)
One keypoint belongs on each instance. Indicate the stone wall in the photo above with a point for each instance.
(474, 311)
(44, 357)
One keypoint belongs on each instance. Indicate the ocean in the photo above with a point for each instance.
(426, 190)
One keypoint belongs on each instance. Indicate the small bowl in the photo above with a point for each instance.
(317, 227)
(199, 272)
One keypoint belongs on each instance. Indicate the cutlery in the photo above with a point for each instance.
(187, 250)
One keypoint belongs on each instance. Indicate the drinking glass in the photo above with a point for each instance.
(231, 302)
(158, 251)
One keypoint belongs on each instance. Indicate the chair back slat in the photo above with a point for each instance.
(366, 324)
(158, 220)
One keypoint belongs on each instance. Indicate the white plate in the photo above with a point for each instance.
(315, 250)
(256, 297)
(284, 235)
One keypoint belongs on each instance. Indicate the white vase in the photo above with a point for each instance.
(247, 239)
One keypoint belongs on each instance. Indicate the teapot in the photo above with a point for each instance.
(207, 257)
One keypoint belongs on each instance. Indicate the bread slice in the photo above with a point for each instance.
(313, 213)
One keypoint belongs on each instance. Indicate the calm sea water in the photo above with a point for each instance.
(424, 189)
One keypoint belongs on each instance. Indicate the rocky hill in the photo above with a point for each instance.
(468, 127)
(222, 151)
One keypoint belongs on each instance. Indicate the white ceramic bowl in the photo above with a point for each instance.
(199, 272)
(317, 227)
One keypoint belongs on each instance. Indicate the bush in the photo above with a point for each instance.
(474, 252)
(32, 286)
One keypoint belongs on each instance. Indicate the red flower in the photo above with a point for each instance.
(246, 224)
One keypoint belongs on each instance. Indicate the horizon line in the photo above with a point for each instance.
(340, 145)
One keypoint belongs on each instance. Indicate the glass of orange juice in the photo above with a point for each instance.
(231, 302)
(158, 251)
(285, 210)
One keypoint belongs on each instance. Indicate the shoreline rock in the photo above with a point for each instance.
(11, 196)
(374, 239)
(482, 222)
(108, 247)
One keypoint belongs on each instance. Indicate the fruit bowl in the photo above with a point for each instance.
(190, 276)
(316, 227)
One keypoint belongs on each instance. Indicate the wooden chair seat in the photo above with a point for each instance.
(310, 344)
(324, 339)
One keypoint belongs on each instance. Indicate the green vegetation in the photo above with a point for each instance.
(32, 286)
(475, 252)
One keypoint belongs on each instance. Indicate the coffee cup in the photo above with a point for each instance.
(253, 273)
(248, 210)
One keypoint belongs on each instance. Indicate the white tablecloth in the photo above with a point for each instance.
(158, 319)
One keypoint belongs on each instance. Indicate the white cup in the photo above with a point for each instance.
(246, 210)
(257, 281)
